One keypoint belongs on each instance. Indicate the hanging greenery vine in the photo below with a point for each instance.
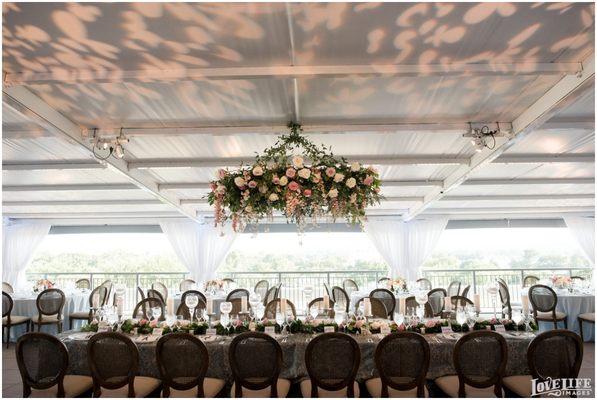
(305, 188)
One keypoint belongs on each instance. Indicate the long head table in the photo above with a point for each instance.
(294, 346)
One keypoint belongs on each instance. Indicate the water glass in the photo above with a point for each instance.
(460, 316)
(399, 318)
(157, 312)
(191, 301)
(314, 312)
(259, 311)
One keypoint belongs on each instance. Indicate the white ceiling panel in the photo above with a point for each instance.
(62, 177)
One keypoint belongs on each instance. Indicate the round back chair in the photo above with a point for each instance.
(7, 304)
(237, 307)
(461, 301)
(577, 278)
(97, 297)
(6, 287)
(102, 349)
(42, 360)
(261, 288)
(183, 360)
(555, 354)
(162, 289)
(145, 304)
(155, 294)
(332, 361)
(436, 299)
(402, 360)
(270, 295)
(237, 294)
(453, 289)
(328, 291)
(383, 282)
(484, 371)
(272, 307)
(341, 297)
(195, 292)
(83, 284)
(465, 291)
(424, 284)
(530, 280)
(255, 360)
(411, 302)
(140, 294)
(108, 284)
(505, 299)
(543, 299)
(386, 297)
(186, 284)
(350, 286)
(50, 302)
(318, 303)
(378, 310)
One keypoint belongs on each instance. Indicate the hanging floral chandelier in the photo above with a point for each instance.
(305, 188)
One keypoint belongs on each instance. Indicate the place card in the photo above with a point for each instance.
(328, 329)
(135, 331)
(252, 326)
(365, 331)
(104, 329)
(385, 330)
(446, 329)
(157, 331)
(211, 331)
(270, 330)
(500, 328)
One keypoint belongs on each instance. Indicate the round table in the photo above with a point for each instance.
(573, 304)
(25, 305)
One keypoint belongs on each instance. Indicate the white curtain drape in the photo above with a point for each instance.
(19, 242)
(583, 230)
(200, 247)
(405, 245)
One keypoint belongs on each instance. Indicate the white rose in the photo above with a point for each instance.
(248, 209)
(338, 177)
(351, 182)
(239, 181)
(304, 173)
(258, 171)
(283, 181)
(271, 165)
(297, 161)
(355, 166)
(262, 189)
(333, 193)
(221, 189)
(273, 197)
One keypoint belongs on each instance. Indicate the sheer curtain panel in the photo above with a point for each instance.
(583, 230)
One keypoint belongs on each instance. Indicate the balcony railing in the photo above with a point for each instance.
(294, 281)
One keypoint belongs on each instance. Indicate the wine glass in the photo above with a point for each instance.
(493, 289)
(254, 301)
(339, 313)
(259, 311)
(398, 318)
(421, 298)
(280, 318)
(307, 293)
(225, 309)
(314, 312)
(149, 313)
(517, 317)
(460, 316)
(191, 301)
(157, 312)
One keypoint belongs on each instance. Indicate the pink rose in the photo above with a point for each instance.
(238, 323)
(430, 324)
(401, 327)
(252, 184)
(221, 173)
(212, 186)
(307, 192)
(153, 323)
(368, 180)
(330, 171)
(290, 172)
(143, 322)
(359, 323)
(293, 186)
(275, 180)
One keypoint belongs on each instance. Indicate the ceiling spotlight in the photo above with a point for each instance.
(480, 137)
(119, 151)
(103, 148)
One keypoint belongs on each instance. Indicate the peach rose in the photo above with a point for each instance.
(330, 171)
(368, 180)
(252, 184)
(290, 172)
(293, 186)
(307, 192)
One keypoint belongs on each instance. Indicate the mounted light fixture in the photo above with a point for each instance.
(483, 137)
(105, 147)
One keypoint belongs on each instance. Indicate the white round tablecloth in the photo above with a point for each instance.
(24, 305)
(573, 305)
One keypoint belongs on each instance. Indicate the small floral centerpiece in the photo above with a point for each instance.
(261, 325)
(304, 187)
(317, 325)
(397, 285)
(42, 285)
(214, 285)
(561, 281)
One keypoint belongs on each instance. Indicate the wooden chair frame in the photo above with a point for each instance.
(547, 335)
(393, 307)
(9, 323)
(39, 321)
(536, 307)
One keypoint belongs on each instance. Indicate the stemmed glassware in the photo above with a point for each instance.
(254, 301)
(314, 312)
(460, 316)
(191, 301)
(517, 317)
(157, 312)
(339, 313)
(225, 309)
(259, 310)
(307, 293)
(280, 319)
(492, 289)
(398, 318)
(421, 298)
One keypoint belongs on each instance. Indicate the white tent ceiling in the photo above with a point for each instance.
(152, 68)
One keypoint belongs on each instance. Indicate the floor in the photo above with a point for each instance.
(11, 380)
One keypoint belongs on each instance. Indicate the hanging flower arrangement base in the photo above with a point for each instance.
(306, 188)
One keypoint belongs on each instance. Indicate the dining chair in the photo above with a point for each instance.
(160, 287)
(577, 278)
(341, 297)
(237, 307)
(378, 310)
(529, 280)
(387, 298)
(184, 311)
(43, 362)
(318, 303)
(49, 305)
(83, 284)
(272, 307)
(505, 299)
(117, 379)
(6, 287)
(109, 285)
(436, 299)
(186, 284)
(411, 302)
(183, 360)
(350, 286)
(140, 294)
(237, 294)
(270, 295)
(402, 361)
(465, 291)
(261, 288)
(155, 294)
(453, 289)
(256, 360)
(96, 299)
(544, 302)
(328, 291)
(424, 284)
(479, 359)
(332, 361)
(9, 320)
(461, 301)
(150, 302)
(555, 354)
(585, 317)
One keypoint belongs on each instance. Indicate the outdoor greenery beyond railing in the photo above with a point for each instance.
(294, 281)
